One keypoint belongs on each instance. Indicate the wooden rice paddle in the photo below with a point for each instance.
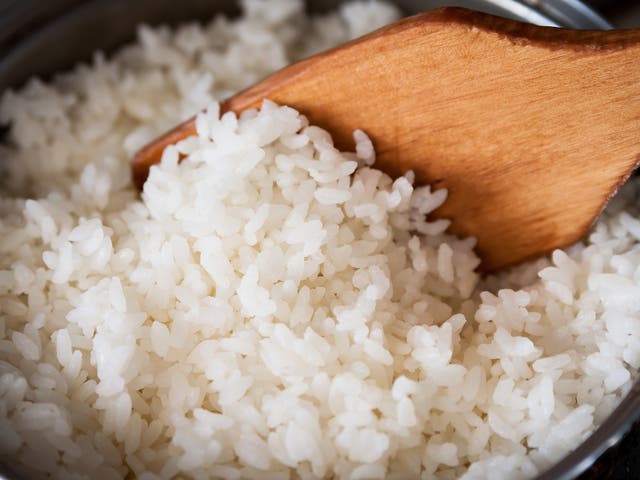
(531, 129)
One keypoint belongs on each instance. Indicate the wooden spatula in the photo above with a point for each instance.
(531, 129)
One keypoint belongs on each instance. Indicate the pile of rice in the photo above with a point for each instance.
(272, 307)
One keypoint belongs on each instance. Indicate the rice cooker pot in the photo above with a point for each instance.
(40, 38)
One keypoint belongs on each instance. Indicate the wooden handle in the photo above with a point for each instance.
(515, 120)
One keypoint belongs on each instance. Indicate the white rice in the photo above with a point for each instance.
(272, 307)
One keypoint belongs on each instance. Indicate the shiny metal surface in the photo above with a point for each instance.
(570, 13)
(39, 38)
(554, 13)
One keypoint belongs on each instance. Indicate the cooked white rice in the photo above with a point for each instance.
(272, 307)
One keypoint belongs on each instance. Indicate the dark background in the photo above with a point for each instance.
(623, 13)
(619, 462)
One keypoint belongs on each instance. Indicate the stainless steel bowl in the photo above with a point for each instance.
(553, 13)
(40, 38)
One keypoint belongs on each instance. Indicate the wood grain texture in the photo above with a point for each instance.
(531, 129)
